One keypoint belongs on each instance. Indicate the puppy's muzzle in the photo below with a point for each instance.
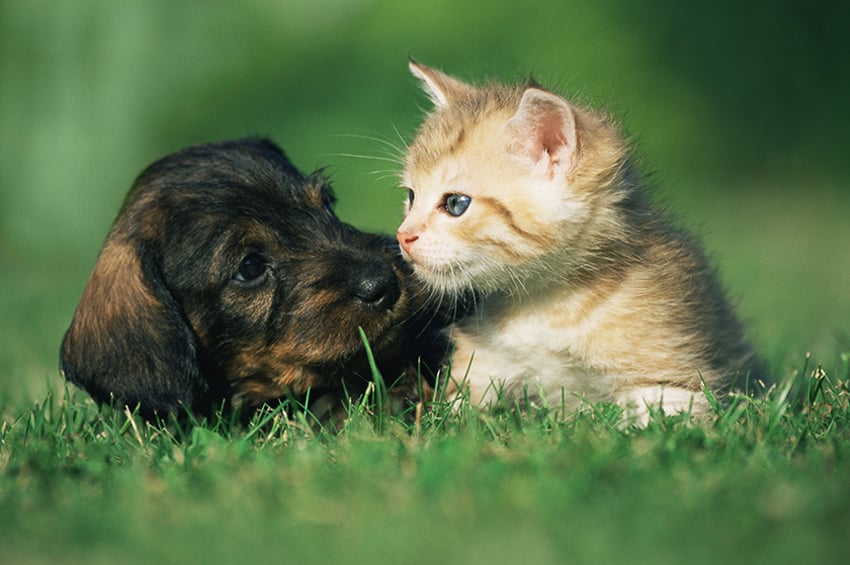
(375, 285)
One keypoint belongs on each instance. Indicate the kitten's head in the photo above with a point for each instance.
(501, 178)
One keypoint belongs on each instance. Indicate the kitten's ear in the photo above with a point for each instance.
(543, 126)
(441, 88)
(128, 341)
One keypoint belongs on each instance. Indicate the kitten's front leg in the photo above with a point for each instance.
(639, 402)
(477, 372)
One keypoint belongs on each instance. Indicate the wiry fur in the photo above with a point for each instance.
(167, 320)
(582, 287)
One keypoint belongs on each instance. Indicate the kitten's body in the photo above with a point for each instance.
(583, 289)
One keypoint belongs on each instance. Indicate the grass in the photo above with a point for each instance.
(760, 481)
(763, 480)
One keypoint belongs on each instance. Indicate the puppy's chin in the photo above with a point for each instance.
(323, 363)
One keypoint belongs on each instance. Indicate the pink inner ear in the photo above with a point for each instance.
(551, 136)
(543, 127)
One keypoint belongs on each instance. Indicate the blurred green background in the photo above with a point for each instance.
(739, 109)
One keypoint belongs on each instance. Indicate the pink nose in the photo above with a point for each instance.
(406, 240)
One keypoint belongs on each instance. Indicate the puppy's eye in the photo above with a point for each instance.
(328, 204)
(251, 268)
(456, 204)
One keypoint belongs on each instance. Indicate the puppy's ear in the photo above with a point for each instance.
(129, 341)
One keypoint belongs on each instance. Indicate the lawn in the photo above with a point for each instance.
(738, 112)
(760, 482)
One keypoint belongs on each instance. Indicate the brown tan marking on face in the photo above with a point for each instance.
(277, 382)
(274, 368)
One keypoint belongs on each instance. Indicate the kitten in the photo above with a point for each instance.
(583, 290)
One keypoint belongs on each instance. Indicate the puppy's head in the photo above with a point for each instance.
(226, 273)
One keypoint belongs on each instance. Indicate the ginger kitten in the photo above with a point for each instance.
(582, 288)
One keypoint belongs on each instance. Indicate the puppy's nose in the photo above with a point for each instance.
(376, 286)
(406, 239)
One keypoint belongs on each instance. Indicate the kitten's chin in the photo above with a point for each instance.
(460, 281)
(456, 281)
(445, 281)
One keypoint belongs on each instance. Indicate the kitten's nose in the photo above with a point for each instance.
(406, 240)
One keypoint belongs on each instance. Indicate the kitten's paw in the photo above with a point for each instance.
(640, 403)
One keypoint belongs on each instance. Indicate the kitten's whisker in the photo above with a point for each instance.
(376, 139)
(365, 157)
(519, 288)
(386, 175)
(401, 138)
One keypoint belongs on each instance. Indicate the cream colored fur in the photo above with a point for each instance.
(582, 289)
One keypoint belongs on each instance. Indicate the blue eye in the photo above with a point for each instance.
(410, 196)
(456, 204)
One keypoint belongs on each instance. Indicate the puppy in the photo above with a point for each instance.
(227, 277)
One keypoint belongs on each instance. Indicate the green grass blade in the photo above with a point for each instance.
(378, 379)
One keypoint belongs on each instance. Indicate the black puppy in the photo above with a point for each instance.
(226, 275)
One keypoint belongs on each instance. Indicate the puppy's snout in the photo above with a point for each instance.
(376, 285)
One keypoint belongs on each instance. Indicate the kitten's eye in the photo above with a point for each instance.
(456, 204)
(328, 204)
(251, 269)
(410, 197)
